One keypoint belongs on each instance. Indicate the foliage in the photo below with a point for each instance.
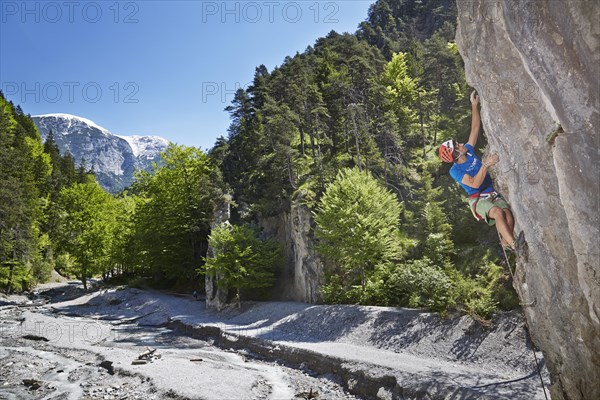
(349, 127)
(401, 89)
(23, 168)
(240, 260)
(420, 283)
(173, 209)
(42, 262)
(86, 225)
(65, 264)
(124, 249)
(357, 223)
(380, 102)
(18, 275)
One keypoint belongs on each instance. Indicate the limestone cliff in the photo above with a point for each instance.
(535, 66)
(217, 297)
(302, 275)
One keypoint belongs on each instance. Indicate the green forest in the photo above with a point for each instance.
(350, 128)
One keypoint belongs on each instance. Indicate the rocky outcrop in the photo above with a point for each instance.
(535, 66)
(301, 277)
(216, 297)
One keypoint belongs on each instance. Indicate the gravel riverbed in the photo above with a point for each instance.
(123, 343)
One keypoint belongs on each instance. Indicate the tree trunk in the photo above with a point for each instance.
(302, 140)
(84, 277)
(10, 277)
(356, 139)
(290, 168)
(436, 121)
(320, 159)
(422, 127)
(385, 156)
(312, 143)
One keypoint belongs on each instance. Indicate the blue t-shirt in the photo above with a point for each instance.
(471, 167)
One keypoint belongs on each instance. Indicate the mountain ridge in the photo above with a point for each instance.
(113, 158)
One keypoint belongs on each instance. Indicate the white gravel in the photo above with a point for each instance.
(417, 352)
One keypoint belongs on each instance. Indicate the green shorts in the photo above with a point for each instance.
(484, 205)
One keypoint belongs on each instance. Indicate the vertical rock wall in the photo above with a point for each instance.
(535, 65)
(216, 297)
(302, 275)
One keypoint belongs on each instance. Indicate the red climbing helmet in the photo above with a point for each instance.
(446, 150)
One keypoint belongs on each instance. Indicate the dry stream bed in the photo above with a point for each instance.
(65, 343)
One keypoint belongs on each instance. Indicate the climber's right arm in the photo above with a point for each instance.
(476, 181)
(475, 119)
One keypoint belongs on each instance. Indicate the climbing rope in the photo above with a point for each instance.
(539, 370)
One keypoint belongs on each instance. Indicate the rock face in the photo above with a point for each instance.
(113, 158)
(535, 66)
(302, 275)
(216, 297)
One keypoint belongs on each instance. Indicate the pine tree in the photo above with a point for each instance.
(67, 169)
(23, 169)
(55, 181)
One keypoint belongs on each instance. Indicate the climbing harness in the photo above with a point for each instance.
(492, 196)
(530, 304)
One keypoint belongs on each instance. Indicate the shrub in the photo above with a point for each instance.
(20, 280)
(419, 283)
(357, 224)
(241, 261)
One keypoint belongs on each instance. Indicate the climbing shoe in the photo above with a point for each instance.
(519, 245)
(505, 245)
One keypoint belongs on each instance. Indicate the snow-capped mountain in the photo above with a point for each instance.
(146, 147)
(113, 158)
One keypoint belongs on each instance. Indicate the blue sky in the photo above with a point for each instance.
(165, 68)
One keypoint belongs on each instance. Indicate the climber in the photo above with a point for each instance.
(474, 178)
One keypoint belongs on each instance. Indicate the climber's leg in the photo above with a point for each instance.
(509, 219)
(502, 224)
